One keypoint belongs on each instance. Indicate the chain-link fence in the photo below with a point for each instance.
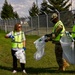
(38, 25)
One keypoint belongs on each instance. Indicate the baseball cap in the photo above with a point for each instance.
(54, 15)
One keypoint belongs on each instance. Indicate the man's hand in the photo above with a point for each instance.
(46, 40)
(53, 36)
(48, 35)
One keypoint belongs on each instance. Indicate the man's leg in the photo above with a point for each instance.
(58, 53)
(61, 62)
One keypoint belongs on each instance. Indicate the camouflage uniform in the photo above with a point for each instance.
(58, 53)
(57, 30)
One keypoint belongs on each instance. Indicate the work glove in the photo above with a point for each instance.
(53, 36)
(47, 35)
(24, 48)
(46, 40)
(70, 32)
(11, 36)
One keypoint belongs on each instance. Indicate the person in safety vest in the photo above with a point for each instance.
(73, 31)
(18, 43)
(55, 38)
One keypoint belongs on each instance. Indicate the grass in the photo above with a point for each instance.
(46, 66)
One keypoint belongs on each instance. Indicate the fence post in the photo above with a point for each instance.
(38, 24)
(5, 28)
(58, 13)
(31, 25)
(46, 21)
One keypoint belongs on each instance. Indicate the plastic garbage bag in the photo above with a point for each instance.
(40, 45)
(68, 48)
(20, 54)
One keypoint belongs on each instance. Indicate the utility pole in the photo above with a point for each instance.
(0, 15)
(71, 5)
(37, 2)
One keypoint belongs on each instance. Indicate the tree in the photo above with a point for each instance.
(60, 5)
(34, 10)
(16, 15)
(44, 7)
(7, 11)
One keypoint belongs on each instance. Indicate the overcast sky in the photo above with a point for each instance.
(22, 6)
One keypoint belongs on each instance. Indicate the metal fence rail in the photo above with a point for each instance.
(38, 25)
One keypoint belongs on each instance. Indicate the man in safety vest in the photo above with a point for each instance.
(73, 32)
(18, 42)
(55, 37)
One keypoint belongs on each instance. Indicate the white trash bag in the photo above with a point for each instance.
(20, 54)
(68, 49)
(40, 45)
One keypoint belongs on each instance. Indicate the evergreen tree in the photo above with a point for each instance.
(34, 10)
(60, 5)
(16, 15)
(7, 11)
(44, 7)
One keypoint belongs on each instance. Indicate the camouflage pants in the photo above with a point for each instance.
(58, 53)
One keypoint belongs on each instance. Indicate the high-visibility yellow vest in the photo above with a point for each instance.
(17, 42)
(60, 34)
(73, 30)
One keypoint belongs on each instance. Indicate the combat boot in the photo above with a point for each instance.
(65, 64)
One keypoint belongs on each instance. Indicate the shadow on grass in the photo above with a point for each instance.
(5, 68)
(53, 70)
(31, 70)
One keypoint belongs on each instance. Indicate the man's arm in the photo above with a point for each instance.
(57, 31)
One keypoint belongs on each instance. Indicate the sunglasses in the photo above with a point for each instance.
(19, 27)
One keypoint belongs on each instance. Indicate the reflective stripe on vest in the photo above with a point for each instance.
(17, 41)
(63, 30)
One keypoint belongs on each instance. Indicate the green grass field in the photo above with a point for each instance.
(46, 66)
